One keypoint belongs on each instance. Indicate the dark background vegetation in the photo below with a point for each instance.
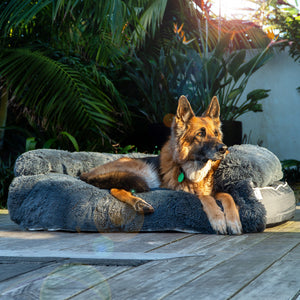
(94, 75)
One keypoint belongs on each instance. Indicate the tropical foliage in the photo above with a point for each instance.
(54, 60)
(59, 59)
(282, 21)
(76, 74)
(200, 75)
(288, 22)
(283, 18)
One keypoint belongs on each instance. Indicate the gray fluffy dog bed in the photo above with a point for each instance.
(46, 194)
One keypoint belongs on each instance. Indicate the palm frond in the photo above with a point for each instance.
(13, 13)
(150, 19)
(55, 91)
(94, 16)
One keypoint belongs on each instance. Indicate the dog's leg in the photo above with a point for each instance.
(214, 213)
(137, 203)
(231, 212)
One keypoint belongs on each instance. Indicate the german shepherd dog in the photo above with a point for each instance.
(187, 162)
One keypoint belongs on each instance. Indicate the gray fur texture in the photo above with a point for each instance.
(46, 194)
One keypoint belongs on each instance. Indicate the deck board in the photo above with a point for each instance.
(284, 274)
(156, 279)
(64, 281)
(170, 265)
(235, 273)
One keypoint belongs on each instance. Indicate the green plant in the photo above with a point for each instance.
(156, 84)
(199, 75)
(291, 170)
(289, 26)
(118, 149)
(226, 75)
(282, 18)
(32, 143)
(288, 23)
(56, 57)
(54, 91)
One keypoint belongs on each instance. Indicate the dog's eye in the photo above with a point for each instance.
(216, 133)
(202, 132)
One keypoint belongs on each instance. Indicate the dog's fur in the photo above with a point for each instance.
(187, 162)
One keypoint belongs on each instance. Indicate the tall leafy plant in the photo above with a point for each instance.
(199, 75)
(55, 60)
(226, 75)
(158, 82)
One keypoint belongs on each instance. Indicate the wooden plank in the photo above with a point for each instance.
(213, 276)
(130, 242)
(105, 258)
(20, 239)
(213, 244)
(105, 253)
(88, 248)
(155, 279)
(22, 280)
(190, 244)
(223, 281)
(61, 281)
(10, 270)
(86, 242)
(158, 279)
(280, 281)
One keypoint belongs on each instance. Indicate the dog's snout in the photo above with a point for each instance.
(222, 148)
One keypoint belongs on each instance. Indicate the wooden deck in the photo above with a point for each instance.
(62, 265)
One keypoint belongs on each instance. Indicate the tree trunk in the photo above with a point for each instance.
(3, 112)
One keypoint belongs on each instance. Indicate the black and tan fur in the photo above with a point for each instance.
(194, 150)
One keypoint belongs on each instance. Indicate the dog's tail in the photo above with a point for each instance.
(118, 180)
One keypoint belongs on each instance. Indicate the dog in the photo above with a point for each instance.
(187, 162)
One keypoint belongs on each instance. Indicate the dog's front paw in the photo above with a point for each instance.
(234, 225)
(218, 223)
(143, 207)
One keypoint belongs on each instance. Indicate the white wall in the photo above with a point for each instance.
(278, 126)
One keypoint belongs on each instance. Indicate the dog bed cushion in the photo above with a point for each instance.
(46, 194)
(279, 201)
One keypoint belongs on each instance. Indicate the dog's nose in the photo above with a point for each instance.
(222, 148)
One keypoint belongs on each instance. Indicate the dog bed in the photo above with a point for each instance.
(46, 194)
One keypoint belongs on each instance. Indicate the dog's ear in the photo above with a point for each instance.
(184, 110)
(213, 110)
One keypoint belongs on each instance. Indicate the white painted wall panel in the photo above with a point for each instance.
(279, 125)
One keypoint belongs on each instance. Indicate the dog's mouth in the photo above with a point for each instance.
(204, 154)
(209, 156)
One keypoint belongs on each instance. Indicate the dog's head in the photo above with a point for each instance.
(197, 139)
